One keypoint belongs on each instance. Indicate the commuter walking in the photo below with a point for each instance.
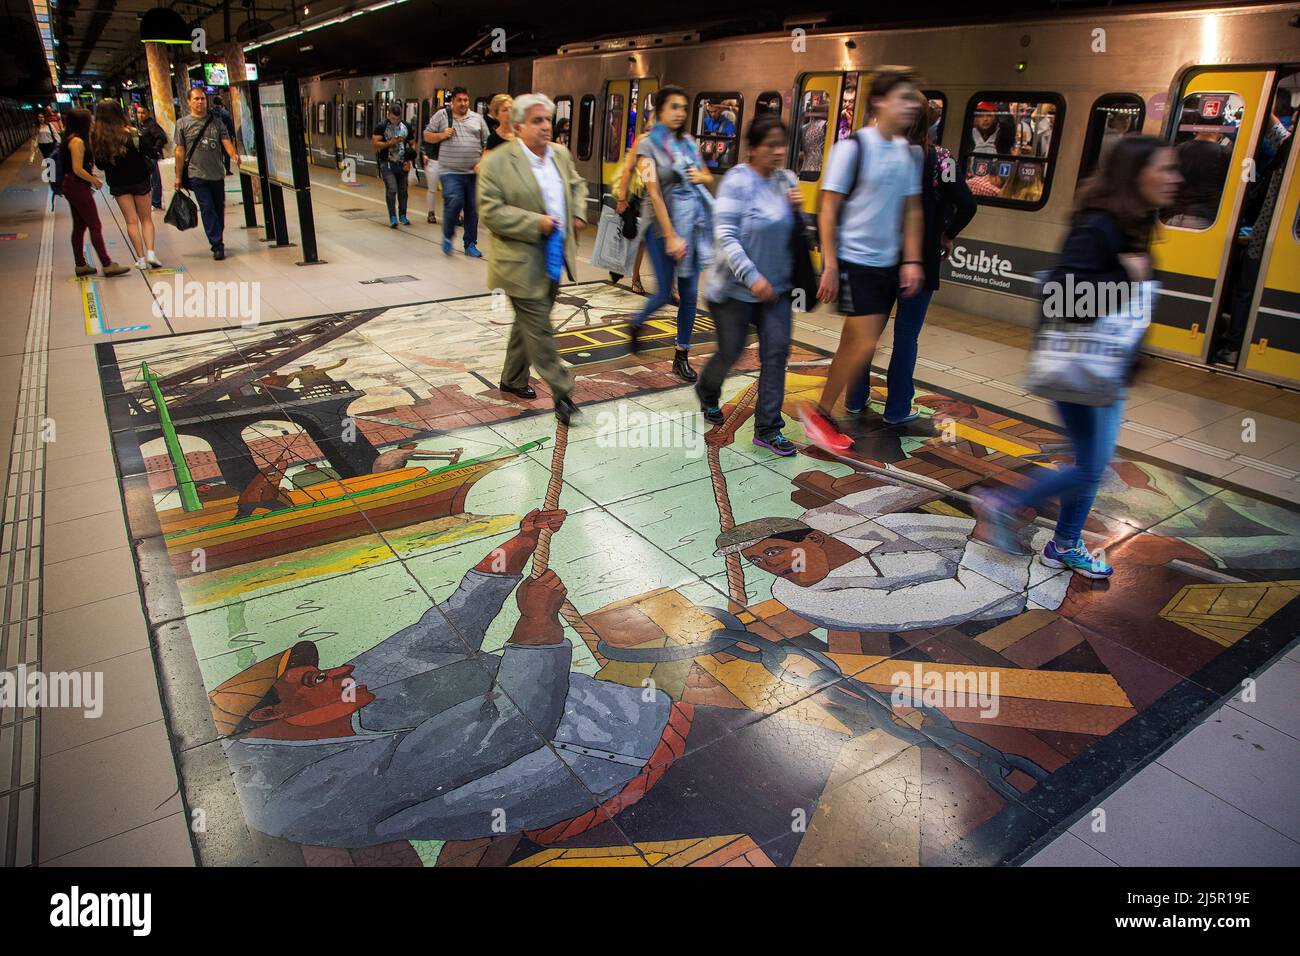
(47, 144)
(392, 139)
(630, 194)
(680, 237)
(533, 204)
(223, 114)
(432, 169)
(119, 153)
(79, 186)
(1109, 242)
(749, 284)
(870, 209)
(947, 207)
(153, 143)
(201, 139)
(461, 136)
(499, 119)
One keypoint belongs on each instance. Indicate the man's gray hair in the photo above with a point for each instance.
(526, 102)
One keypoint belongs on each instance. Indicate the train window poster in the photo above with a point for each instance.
(275, 131)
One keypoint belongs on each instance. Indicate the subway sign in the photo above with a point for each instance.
(997, 268)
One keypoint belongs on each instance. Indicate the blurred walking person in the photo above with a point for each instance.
(947, 207)
(533, 203)
(680, 237)
(870, 218)
(1109, 242)
(749, 283)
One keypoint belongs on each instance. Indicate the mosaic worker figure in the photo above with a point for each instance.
(423, 737)
(870, 562)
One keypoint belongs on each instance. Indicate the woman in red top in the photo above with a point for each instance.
(79, 185)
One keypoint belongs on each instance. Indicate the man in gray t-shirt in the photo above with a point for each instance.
(463, 137)
(201, 139)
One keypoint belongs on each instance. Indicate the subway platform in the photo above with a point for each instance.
(1151, 721)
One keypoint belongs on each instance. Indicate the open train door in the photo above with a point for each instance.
(1192, 252)
(1273, 336)
(628, 103)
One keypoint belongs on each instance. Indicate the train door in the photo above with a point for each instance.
(340, 123)
(828, 108)
(1215, 124)
(628, 104)
(1272, 337)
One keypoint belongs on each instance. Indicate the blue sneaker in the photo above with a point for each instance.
(392, 222)
(1077, 559)
(911, 417)
(471, 250)
(403, 220)
(776, 443)
(446, 247)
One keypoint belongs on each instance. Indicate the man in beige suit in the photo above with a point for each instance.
(527, 190)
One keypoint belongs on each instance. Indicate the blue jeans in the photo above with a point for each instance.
(155, 178)
(458, 194)
(687, 289)
(395, 181)
(211, 197)
(733, 318)
(1093, 432)
(902, 363)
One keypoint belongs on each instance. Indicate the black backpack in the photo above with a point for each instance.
(430, 150)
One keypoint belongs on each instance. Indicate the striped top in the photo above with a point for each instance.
(461, 153)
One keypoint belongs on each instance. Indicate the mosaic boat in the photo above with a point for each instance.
(323, 513)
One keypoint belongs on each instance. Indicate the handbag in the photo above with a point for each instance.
(182, 212)
(1088, 363)
(612, 250)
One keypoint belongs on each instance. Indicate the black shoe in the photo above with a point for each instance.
(634, 339)
(565, 409)
(682, 368)
(218, 254)
(527, 391)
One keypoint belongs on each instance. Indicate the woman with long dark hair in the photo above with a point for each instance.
(1109, 242)
(947, 204)
(130, 180)
(751, 278)
(680, 237)
(79, 185)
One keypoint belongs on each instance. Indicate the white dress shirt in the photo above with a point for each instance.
(548, 179)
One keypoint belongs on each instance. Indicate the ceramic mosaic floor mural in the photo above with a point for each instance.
(402, 619)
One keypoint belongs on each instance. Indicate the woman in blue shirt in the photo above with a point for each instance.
(756, 211)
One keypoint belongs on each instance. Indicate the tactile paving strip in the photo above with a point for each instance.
(20, 568)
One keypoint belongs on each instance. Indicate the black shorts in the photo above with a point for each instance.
(867, 290)
(132, 189)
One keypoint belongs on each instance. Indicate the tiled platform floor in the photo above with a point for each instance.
(107, 791)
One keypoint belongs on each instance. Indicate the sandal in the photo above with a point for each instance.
(637, 287)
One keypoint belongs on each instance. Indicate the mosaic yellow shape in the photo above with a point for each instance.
(1225, 613)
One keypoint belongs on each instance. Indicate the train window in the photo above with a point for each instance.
(810, 146)
(321, 113)
(848, 104)
(1114, 116)
(1204, 137)
(717, 120)
(1008, 147)
(586, 123)
(614, 128)
(769, 102)
(562, 122)
(481, 105)
(938, 113)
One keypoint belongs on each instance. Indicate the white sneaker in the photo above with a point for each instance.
(152, 258)
(141, 264)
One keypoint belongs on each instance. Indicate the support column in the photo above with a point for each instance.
(160, 87)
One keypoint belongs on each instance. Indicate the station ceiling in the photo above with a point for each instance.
(98, 40)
